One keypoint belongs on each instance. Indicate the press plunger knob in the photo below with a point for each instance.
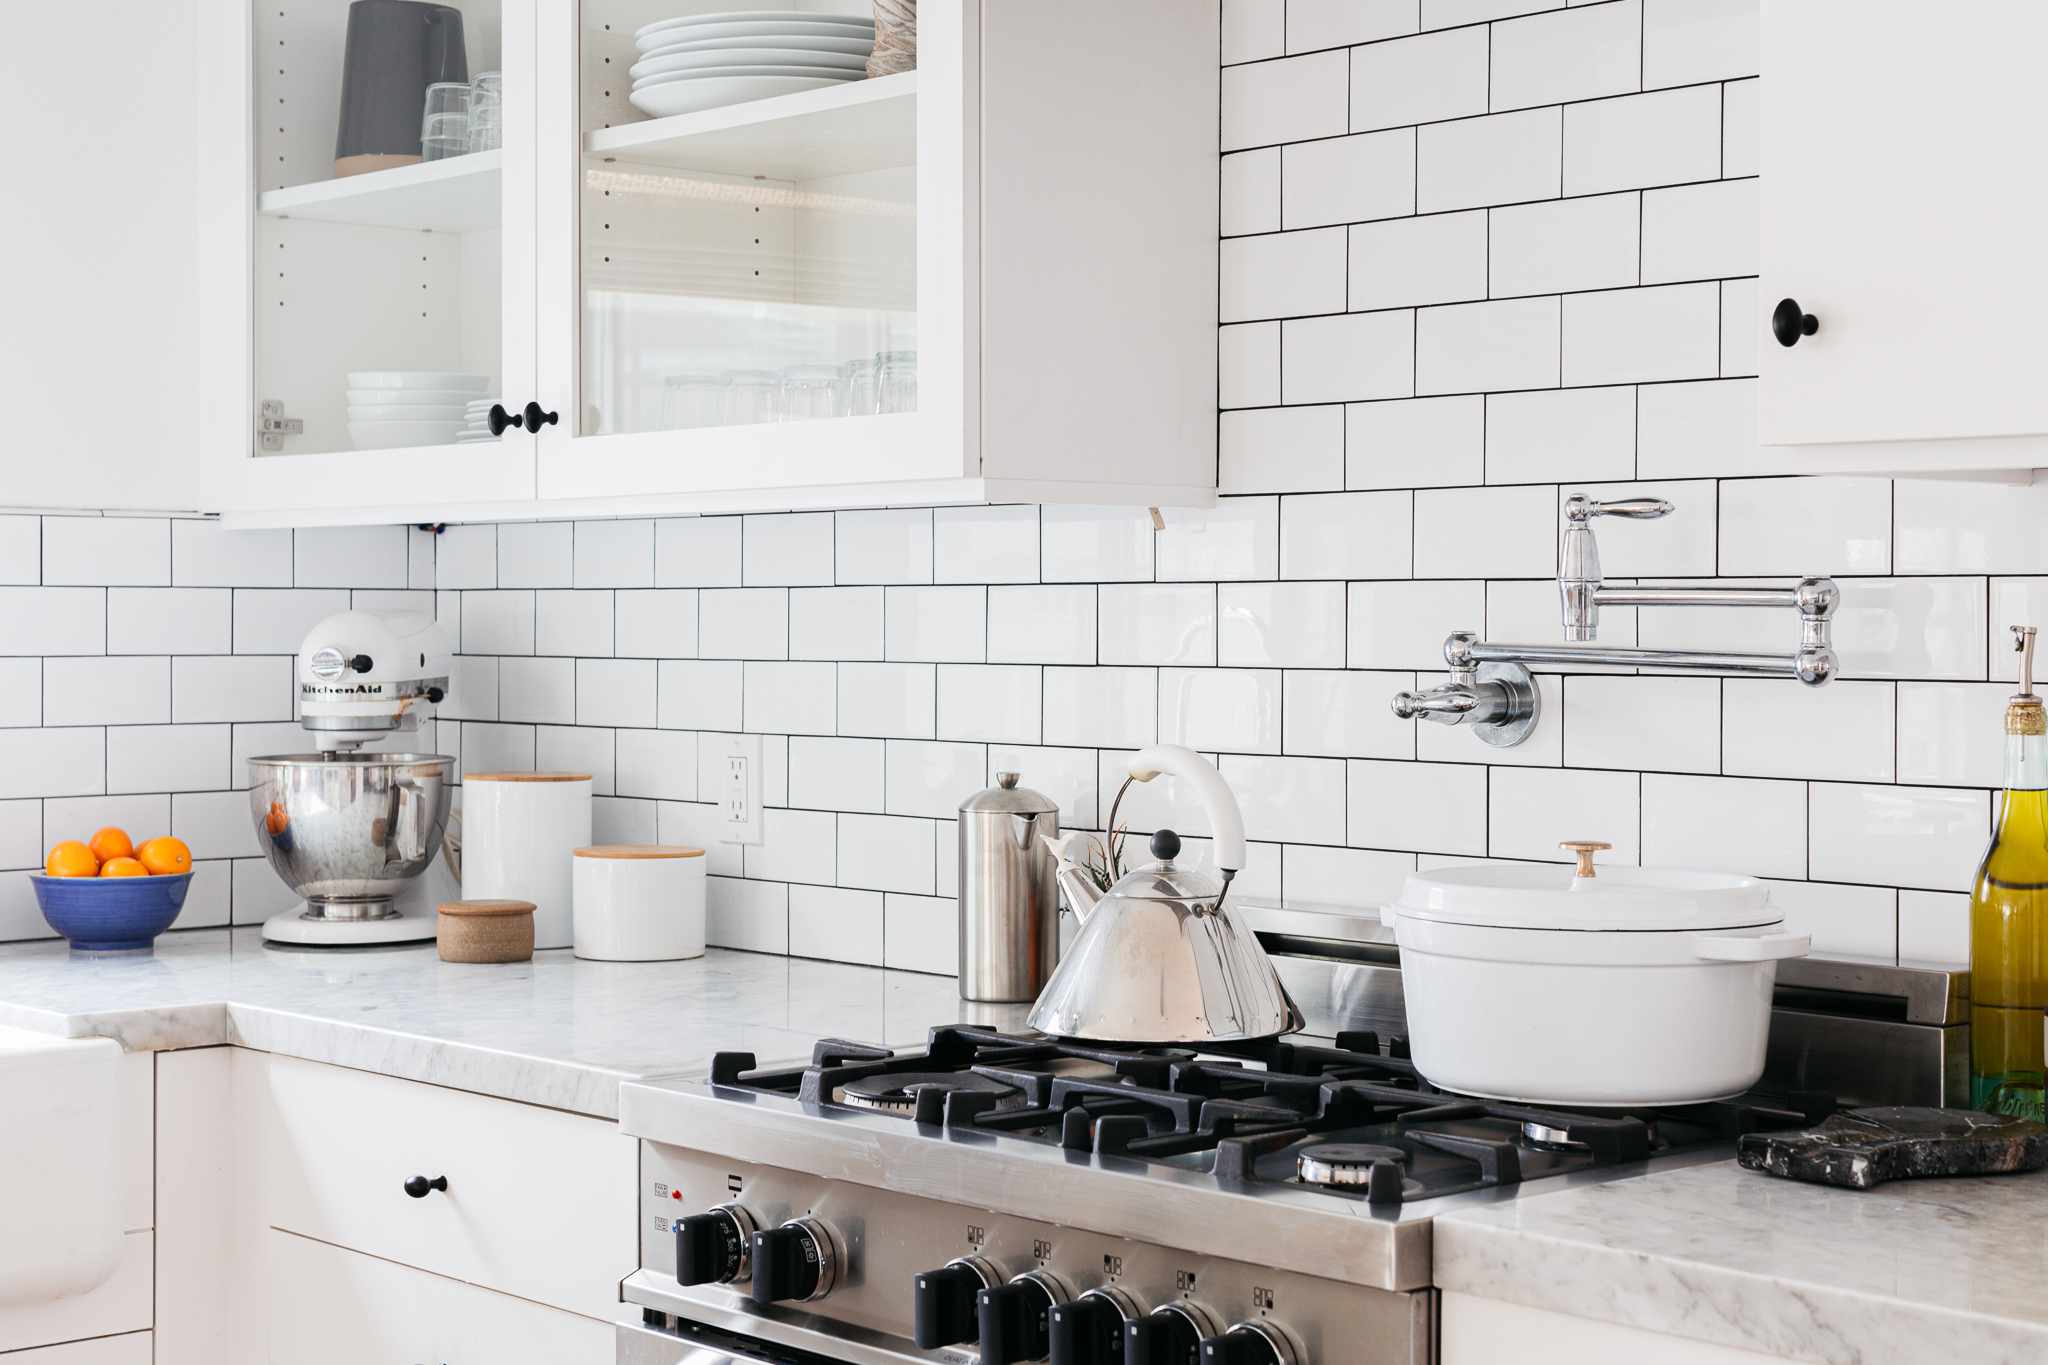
(1585, 849)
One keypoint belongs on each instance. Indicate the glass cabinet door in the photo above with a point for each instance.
(391, 286)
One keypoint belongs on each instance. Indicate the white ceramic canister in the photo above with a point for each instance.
(519, 834)
(639, 902)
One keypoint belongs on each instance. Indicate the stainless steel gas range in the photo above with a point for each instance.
(1001, 1197)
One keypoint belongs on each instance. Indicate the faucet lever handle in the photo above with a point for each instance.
(1636, 509)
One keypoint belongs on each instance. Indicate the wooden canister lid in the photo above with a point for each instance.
(487, 907)
(639, 851)
(526, 777)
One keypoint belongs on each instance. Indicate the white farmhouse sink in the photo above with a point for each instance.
(60, 1182)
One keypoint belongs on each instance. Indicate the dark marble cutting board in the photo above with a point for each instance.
(1860, 1148)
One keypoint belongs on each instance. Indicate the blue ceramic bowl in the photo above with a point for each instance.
(110, 914)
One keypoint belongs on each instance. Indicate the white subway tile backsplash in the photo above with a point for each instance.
(1531, 810)
(692, 694)
(1884, 628)
(1689, 41)
(786, 548)
(1952, 734)
(21, 692)
(1298, 799)
(1235, 710)
(107, 691)
(1283, 625)
(1669, 137)
(1313, 24)
(350, 557)
(21, 549)
(1852, 921)
(1101, 707)
(1238, 538)
(1282, 274)
(1285, 100)
(224, 688)
(985, 544)
(1559, 434)
(170, 758)
(1419, 80)
(789, 698)
(1346, 535)
(21, 837)
(205, 554)
(466, 557)
(835, 623)
(989, 702)
(53, 621)
(1094, 544)
(1697, 232)
(1343, 713)
(743, 623)
(1485, 532)
(796, 846)
(2014, 602)
(884, 545)
(497, 623)
(656, 764)
(1779, 727)
(1402, 625)
(614, 554)
(1408, 261)
(1567, 54)
(1965, 527)
(536, 690)
(1739, 327)
(55, 762)
(1474, 347)
(1281, 450)
(573, 622)
(887, 700)
(1247, 370)
(1662, 724)
(1934, 928)
(749, 915)
(1444, 13)
(1344, 359)
(170, 621)
(1806, 526)
(1250, 199)
(581, 749)
(1569, 244)
(887, 853)
(1053, 624)
(1352, 878)
(1157, 623)
(1739, 119)
(835, 924)
(1928, 838)
(1498, 159)
(946, 625)
(655, 623)
(1691, 430)
(1417, 442)
(1347, 179)
(107, 550)
(276, 620)
(695, 552)
(537, 554)
(1529, 610)
(828, 773)
(1427, 807)
(1253, 29)
(920, 934)
(1620, 335)
(616, 692)
(1067, 776)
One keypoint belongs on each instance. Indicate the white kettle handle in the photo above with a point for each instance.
(1225, 819)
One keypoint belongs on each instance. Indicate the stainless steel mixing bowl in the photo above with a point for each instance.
(346, 830)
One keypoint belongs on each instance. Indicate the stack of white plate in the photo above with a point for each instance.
(702, 61)
(476, 421)
(390, 408)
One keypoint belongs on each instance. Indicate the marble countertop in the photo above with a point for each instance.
(554, 1031)
(1910, 1272)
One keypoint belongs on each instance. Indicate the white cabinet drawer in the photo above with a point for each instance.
(130, 1348)
(538, 1203)
(121, 1303)
(334, 1307)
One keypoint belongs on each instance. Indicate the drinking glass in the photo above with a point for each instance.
(487, 112)
(857, 396)
(896, 381)
(695, 399)
(444, 127)
(755, 396)
(810, 391)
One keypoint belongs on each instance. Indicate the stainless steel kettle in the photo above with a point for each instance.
(1160, 958)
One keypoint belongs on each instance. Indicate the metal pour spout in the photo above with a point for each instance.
(1081, 892)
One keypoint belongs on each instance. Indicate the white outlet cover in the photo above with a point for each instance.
(746, 829)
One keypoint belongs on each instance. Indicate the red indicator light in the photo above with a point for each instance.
(675, 1194)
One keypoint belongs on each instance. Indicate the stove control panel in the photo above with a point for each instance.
(975, 1287)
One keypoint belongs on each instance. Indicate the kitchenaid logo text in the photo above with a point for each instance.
(307, 689)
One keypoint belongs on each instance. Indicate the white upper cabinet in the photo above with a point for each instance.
(1903, 206)
(985, 279)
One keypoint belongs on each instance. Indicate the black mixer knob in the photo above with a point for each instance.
(1014, 1322)
(1248, 1343)
(713, 1247)
(1166, 1337)
(1088, 1331)
(793, 1263)
(944, 1310)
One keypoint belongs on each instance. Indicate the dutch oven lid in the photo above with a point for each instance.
(1585, 897)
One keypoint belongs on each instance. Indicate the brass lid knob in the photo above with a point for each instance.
(1585, 849)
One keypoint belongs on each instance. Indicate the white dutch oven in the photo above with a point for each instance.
(1553, 985)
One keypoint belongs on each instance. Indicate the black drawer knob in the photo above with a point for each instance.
(1788, 323)
(419, 1187)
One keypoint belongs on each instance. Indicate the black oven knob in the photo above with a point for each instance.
(943, 1307)
(1090, 1330)
(1167, 1336)
(794, 1262)
(1250, 1343)
(1013, 1316)
(714, 1247)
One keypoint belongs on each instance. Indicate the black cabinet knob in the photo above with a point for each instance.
(713, 1247)
(943, 1308)
(537, 417)
(500, 419)
(1162, 1338)
(1013, 1321)
(419, 1187)
(1243, 1345)
(1788, 323)
(792, 1263)
(1088, 1331)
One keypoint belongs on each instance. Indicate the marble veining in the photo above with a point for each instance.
(555, 1031)
(1921, 1270)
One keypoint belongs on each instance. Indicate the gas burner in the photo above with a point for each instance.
(1343, 1165)
(896, 1092)
(1550, 1135)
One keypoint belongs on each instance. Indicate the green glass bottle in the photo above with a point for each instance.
(2009, 918)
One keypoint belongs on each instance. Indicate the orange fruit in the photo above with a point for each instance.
(165, 856)
(123, 867)
(111, 843)
(274, 819)
(71, 859)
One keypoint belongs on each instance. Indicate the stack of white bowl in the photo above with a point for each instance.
(702, 61)
(390, 408)
(476, 421)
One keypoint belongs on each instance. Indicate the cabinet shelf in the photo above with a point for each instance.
(460, 194)
(866, 125)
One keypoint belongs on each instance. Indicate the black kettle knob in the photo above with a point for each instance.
(1165, 845)
(419, 1187)
(1013, 1321)
(943, 1306)
(1789, 323)
(1088, 1331)
(1162, 1338)
(792, 1262)
(712, 1248)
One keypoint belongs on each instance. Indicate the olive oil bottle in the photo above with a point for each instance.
(2009, 918)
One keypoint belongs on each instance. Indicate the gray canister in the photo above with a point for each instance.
(1009, 896)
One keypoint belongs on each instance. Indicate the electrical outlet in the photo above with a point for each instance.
(739, 790)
